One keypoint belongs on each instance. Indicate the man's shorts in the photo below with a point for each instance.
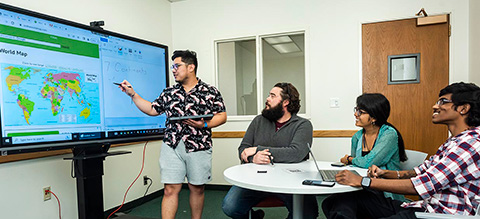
(176, 164)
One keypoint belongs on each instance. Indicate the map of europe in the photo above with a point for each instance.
(42, 96)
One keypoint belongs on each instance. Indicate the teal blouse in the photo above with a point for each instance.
(384, 154)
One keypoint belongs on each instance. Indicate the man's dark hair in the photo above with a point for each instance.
(378, 107)
(188, 57)
(290, 93)
(465, 93)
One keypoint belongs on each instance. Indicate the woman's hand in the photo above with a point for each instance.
(345, 159)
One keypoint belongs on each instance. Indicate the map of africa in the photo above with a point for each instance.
(42, 96)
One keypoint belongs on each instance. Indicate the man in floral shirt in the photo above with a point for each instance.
(448, 182)
(187, 145)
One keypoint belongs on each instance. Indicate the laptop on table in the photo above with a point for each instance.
(326, 175)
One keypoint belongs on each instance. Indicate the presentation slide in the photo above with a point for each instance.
(57, 82)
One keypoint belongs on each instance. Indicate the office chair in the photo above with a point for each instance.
(447, 216)
(269, 202)
(415, 158)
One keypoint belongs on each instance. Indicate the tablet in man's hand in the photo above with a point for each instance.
(197, 117)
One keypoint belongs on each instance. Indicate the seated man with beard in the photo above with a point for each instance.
(277, 134)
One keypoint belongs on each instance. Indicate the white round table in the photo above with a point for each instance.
(286, 178)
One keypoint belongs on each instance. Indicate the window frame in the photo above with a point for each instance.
(259, 70)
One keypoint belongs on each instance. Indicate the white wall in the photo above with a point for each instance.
(273, 70)
(474, 42)
(22, 182)
(333, 51)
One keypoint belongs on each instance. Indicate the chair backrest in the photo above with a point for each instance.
(270, 201)
(478, 211)
(415, 158)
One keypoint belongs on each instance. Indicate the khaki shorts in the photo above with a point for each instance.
(176, 164)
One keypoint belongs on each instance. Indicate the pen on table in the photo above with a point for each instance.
(121, 85)
(271, 159)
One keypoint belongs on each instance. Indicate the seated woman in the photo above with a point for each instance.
(378, 142)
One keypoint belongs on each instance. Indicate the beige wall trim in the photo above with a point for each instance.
(34, 155)
(239, 134)
(333, 133)
(316, 134)
(220, 134)
(27, 156)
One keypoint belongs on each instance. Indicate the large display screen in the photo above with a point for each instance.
(57, 81)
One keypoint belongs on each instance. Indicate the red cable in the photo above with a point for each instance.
(125, 196)
(58, 200)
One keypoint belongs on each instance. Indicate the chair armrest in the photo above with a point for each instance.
(442, 216)
(477, 212)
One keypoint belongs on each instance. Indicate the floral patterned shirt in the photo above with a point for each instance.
(174, 101)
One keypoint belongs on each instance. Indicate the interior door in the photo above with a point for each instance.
(411, 104)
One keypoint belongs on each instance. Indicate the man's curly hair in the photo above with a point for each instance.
(290, 93)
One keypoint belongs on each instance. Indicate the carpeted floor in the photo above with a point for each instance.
(211, 210)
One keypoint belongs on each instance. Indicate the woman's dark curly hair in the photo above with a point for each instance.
(291, 93)
(465, 93)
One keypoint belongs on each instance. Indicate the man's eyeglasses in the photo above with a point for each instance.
(358, 111)
(442, 101)
(176, 66)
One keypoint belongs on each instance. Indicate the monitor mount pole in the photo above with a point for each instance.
(88, 166)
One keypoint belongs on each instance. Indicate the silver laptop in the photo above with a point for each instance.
(326, 175)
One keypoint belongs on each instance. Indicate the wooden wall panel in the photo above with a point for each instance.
(411, 104)
(237, 134)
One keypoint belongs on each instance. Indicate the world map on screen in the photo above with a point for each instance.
(43, 96)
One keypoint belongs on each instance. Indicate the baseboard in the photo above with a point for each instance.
(211, 187)
(218, 187)
(137, 202)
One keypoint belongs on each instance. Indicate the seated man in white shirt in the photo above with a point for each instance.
(448, 182)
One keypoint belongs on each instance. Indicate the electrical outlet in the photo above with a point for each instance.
(47, 195)
(145, 180)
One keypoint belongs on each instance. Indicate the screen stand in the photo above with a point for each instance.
(88, 166)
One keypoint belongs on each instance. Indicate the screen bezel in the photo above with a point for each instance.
(57, 145)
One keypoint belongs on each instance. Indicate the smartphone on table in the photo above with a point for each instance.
(312, 182)
(338, 164)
